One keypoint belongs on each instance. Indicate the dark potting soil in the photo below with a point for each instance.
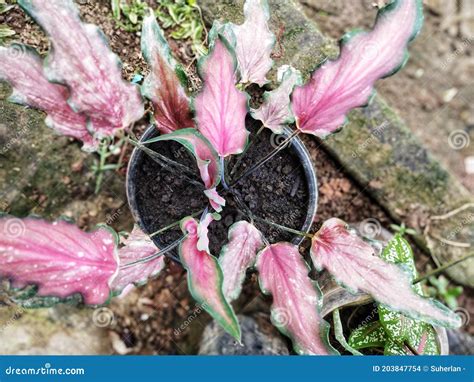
(276, 191)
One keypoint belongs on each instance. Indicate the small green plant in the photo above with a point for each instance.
(184, 19)
(133, 12)
(440, 288)
(5, 30)
(107, 148)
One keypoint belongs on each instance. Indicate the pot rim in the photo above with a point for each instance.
(296, 144)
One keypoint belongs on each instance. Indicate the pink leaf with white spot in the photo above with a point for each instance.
(275, 112)
(162, 85)
(295, 310)
(220, 107)
(59, 258)
(137, 261)
(205, 279)
(238, 255)
(253, 42)
(338, 86)
(23, 70)
(216, 201)
(81, 59)
(353, 263)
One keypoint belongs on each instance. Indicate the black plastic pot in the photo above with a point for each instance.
(296, 146)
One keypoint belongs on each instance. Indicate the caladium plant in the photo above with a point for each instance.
(80, 88)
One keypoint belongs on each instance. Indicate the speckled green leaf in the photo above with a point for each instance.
(397, 326)
(394, 348)
(371, 335)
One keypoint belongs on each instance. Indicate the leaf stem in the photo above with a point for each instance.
(156, 255)
(169, 164)
(284, 228)
(223, 181)
(266, 158)
(443, 268)
(172, 225)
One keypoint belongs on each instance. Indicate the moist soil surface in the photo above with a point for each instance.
(161, 317)
(277, 192)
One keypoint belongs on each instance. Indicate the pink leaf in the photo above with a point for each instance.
(81, 59)
(220, 107)
(275, 111)
(295, 310)
(238, 255)
(253, 42)
(23, 69)
(203, 231)
(353, 263)
(162, 86)
(205, 279)
(341, 85)
(136, 263)
(207, 159)
(216, 201)
(58, 257)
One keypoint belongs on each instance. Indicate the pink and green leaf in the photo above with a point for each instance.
(22, 68)
(216, 201)
(203, 230)
(238, 255)
(137, 264)
(205, 279)
(275, 112)
(162, 86)
(220, 107)
(352, 262)
(59, 258)
(320, 106)
(296, 301)
(252, 41)
(81, 59)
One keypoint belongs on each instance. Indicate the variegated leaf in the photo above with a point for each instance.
(216, 201)
(352, 262)
(371, 335)
(81, 59)
(59, 258)
(220, 107)
(205, 279)
(338, 86)
(238, 255)
(253, 42)
(396, 325)
(296, 302)
(162, 86)
(275, 112)
(137, 264)
(22, 68)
